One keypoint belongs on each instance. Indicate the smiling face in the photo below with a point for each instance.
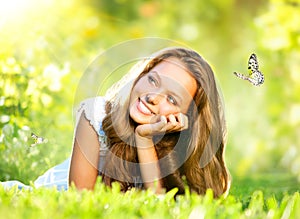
(168, 88)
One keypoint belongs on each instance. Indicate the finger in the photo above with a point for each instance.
(183, 120)
(172, 120)
(160, 125)
(173, 124)
(180, 119)
(163, 119)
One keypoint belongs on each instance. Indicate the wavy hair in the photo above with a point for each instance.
(196, 154)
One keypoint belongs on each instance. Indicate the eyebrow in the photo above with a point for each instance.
(179, 99)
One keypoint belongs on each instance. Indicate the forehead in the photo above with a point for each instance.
(174, 74)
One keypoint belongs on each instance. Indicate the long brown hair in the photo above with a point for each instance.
(196, 153)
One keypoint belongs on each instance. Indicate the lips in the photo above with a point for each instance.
(143, 108)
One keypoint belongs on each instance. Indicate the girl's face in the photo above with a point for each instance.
(166, 89)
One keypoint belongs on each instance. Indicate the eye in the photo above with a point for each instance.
(172, 100)
(152, 80)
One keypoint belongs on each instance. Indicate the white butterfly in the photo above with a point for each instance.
(255, 77)
(37, 140)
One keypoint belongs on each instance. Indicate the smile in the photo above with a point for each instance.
(143, 108)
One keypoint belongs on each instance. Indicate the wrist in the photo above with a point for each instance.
(143, 141)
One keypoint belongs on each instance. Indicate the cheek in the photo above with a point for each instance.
(166, 109)
(187, 106)
(141, 87)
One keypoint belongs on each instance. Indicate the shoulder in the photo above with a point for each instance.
(94, 111)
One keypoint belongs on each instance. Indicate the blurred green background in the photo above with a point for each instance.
(46, 45)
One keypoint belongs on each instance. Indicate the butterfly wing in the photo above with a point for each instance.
(252, 63)
(241, 76)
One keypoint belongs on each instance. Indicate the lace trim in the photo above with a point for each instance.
(94, 111)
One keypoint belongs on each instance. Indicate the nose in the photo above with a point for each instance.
(153, 99)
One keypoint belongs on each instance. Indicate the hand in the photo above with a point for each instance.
(147, 154)
(163, 124)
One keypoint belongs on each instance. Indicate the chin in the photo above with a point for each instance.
(140, 119)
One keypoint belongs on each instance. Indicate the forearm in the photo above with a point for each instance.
(85, 156)
(83, 170)
(149, 164)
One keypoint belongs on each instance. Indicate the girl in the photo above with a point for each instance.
(151, 132)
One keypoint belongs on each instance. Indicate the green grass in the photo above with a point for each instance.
(262, 196)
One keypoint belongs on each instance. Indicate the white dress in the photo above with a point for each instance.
(58, 176)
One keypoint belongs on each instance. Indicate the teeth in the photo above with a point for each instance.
(144, 109)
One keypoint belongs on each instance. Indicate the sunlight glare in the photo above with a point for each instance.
(15, 9)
